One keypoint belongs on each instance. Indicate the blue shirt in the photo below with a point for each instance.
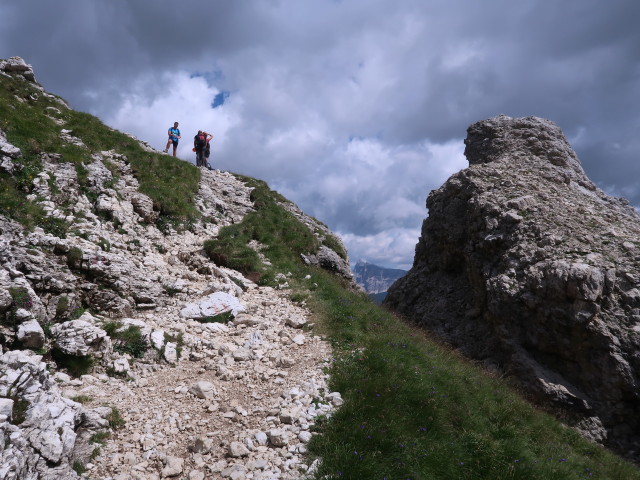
(173, 133)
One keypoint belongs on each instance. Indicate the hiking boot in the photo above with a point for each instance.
(165, 151)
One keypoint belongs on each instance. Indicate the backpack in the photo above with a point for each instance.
(199, 141)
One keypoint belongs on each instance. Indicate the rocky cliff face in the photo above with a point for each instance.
(211, 373)
(526, 266)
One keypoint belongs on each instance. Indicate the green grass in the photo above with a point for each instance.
(75, 365)
(82, 398)
(115, 419)
(282, 235)
(126, 340)
(25, 118)
(415, 410)
(100, 437)
(220, 318)
(19, 411)
(412, 409)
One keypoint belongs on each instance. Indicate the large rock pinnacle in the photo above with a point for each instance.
(525, 265)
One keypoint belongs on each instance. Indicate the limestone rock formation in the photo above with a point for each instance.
(19, 66)
(525, 265)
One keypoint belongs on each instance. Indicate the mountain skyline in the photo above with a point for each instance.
(375, 279)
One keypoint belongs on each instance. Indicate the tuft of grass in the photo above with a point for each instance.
(100, 437)
(19, 411)
(20, 299)
(75, 365)
(82, 399)
(104, 244)
(79, 467)
(221, 318)
(177, 339)
(77, 313)
(283, 236)
(126, 340)
(61, 307)
(95, 453)
(115, 419)
(74, 258)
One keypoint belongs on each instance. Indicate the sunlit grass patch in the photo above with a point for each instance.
(414, 410)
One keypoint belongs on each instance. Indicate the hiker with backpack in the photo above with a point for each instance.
(174, 136)
(207, 151)
(199, 145)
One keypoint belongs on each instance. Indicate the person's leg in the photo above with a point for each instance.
(166, 149)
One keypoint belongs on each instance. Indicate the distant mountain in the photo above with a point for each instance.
(374, 279)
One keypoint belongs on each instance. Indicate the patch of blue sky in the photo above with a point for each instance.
(219, 99)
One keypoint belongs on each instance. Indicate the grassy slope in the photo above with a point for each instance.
(27, 118)
(412, 410)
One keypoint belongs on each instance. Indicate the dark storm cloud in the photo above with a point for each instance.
(89, 51)
(354, 109)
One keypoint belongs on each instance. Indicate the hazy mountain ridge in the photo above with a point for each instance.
(373, 278)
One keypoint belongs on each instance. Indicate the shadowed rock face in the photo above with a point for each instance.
(525, 265)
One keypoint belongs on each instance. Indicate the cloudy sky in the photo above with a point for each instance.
(353, 109)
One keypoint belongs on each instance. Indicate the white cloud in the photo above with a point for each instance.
(354, 110)
(185, 99)
(387, 249)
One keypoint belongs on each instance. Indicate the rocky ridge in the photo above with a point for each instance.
(223, 378)
(525, 265)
